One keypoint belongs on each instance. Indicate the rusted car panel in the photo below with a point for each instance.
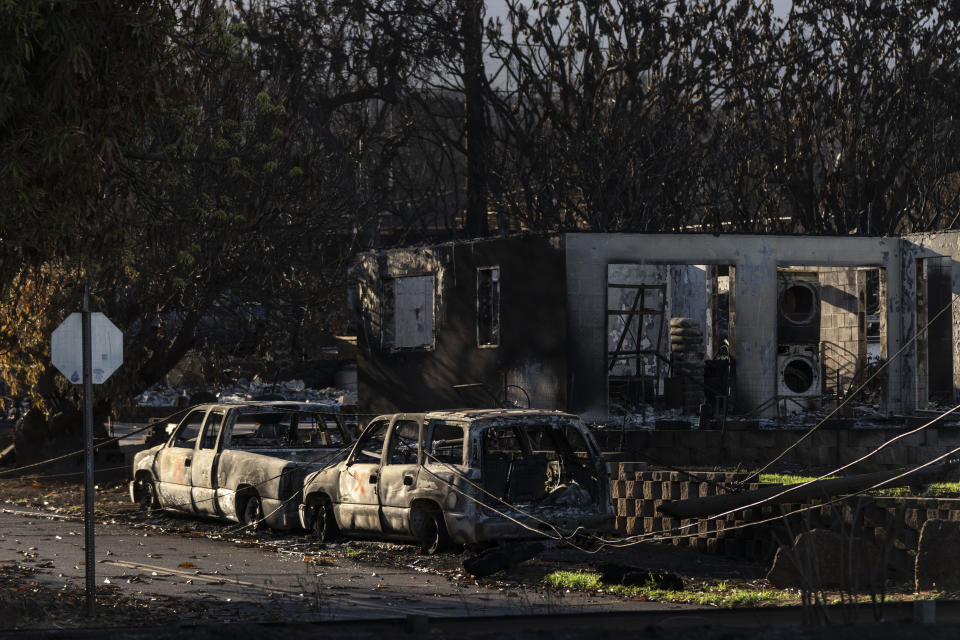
(220, 457)
(484, 475)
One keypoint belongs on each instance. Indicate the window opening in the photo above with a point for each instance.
(445, 444)
(370, 446)
(488, 306)
(211, 431)
(537, 463)
(268, 428)
(404, 443)
(186, 436)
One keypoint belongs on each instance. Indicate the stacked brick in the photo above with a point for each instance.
(890, 523)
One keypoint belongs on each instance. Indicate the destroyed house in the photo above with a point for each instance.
(600, 324)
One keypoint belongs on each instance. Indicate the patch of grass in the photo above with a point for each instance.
(717, 594)
(352, 552)
(936, 490)
(583, 580)
(787, 478)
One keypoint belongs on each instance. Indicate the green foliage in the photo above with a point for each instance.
(935, 490)
(787, 478)
(719, 594)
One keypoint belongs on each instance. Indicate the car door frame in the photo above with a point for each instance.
(174, 467)
(204, 466)
(398, 481)
(358, 505)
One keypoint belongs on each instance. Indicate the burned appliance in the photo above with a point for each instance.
(798, 371)
(798, 312)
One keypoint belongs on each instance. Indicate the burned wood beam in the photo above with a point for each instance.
(702, 507)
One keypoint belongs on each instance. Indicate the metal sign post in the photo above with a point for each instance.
(88, 541)
(72, 348)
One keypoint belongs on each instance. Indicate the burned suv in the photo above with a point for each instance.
(464, 477)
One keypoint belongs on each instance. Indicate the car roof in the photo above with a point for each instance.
(269, 404)
(484, 414)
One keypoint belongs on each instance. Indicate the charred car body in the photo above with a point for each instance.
(243, 462)
(464, 477)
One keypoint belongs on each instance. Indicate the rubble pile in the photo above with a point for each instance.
(162, 395)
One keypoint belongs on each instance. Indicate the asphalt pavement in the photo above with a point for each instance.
(240, 580)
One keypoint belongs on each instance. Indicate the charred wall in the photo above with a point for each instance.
(451, 325)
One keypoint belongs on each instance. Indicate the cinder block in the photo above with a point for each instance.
(629, 489)
(647, 508)
(652, 490)
(620, 525)
(634, 526)
(618, 488)
(671, 490)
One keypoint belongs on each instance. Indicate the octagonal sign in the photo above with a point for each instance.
(106, 342)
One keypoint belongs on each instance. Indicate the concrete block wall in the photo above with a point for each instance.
(842, 327)
(638, 492)
(823, 449)
(892, 525)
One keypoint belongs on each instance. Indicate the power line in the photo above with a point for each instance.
(851, 396)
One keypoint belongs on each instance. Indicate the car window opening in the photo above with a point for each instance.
(287, 429)
(538, 464)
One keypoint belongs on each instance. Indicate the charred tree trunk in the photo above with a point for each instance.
(471, 30)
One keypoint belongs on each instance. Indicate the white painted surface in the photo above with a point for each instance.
(106, 347)
(413, 312)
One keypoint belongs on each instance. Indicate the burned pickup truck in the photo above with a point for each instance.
(244, 462)
(463, 477)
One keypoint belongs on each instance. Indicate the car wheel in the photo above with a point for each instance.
(252, 513)
(147, 496)
(324, 523)
(430, 531)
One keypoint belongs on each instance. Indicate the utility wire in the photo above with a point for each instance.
(850, 396)
(792, 488)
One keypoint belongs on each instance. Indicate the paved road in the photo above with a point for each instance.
(252, 583)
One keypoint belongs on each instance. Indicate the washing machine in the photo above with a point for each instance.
(798, 312)
(798, 372)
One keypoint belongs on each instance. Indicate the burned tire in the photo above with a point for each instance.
(429, 530)
(252, 515)
(146, 494)
(324, 523)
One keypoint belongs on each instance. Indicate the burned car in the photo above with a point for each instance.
(463, 477)
(244, 462)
